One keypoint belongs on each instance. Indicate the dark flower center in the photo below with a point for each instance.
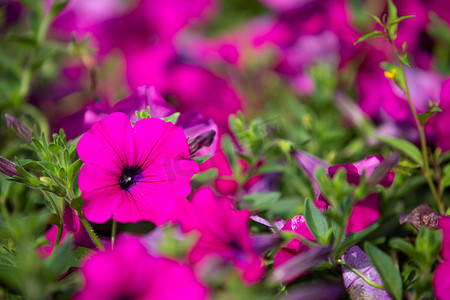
(129, 176)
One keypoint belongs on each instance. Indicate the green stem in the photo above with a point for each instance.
(90, 231)
(55, 207)
(113, 233)
(420, 128)
(58, 239)
(367, 280)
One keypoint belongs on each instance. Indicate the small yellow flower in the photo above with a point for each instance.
(390, 74)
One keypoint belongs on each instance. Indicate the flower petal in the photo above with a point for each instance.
(108, 144)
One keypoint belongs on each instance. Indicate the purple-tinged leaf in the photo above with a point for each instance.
(274, 227)
(264, 242)
(308, 163)
(355, 285)
(383, 169)
(300, 264)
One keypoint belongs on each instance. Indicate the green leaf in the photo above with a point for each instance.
(404, 146)
(316, 221)
(428, 243)
(77, 256)
(399, 19)
(376, 19)
(206, 175)
(44, 153)
(425, 117)
(7, 262)
(369, 36)
(392, 15)
(229, 149)
(386, 268)
(404, 59)
(271, 168)
(58, 263)
(445, 180)
(355, 237)
(77, 204)
(406, 247)
(173, 118)
(31, 165)
(57, 7)
(73, 170)
(201, 159)
(54, 149)
(259, 200)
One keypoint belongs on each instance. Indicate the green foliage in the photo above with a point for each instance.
(404, 146)
(317, 223)
(389, 273)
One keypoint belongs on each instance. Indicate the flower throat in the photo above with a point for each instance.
(129, 176)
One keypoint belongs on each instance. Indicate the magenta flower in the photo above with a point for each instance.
(133, 173)
(365, 211)
(439, 124)
(130, 272)
(71, 227)
(295, 247)
(223, 233)
(441, 280)
(193, 123)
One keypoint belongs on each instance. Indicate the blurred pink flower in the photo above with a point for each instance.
(223, 233)
(439, 124)
(386, 104)
(130, 272)
(365, 211)
(133, 173)
(441, 280)
(295, 247)
(71, 226)
(192, 123)
(192, 87)
(129, 25)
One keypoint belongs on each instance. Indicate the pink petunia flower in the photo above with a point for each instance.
(130, 272)
(441, 280)
(295, 247)
(133, 173)
(223, 233)
(71, 226)
(365, 211)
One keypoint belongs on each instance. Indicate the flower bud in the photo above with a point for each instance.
(8, 168)
(21, 129)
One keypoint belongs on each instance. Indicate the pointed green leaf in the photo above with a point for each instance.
(201, 159)
(396, 20)
(385, 266)
(316, 221)
(376, 19)
(173, 118)
(392, 15)
(369, 35)
(404, 59)
(404, 146)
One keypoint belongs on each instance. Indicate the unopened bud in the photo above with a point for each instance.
(21, 129)
(8, 168)
(204, 139)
